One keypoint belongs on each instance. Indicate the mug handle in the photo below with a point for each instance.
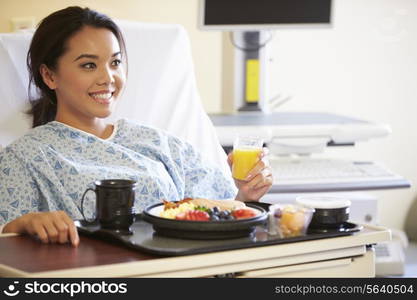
(82, 207)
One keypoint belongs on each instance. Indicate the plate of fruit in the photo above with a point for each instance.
(204, 218)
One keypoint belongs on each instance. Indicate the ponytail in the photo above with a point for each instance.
(43, 111)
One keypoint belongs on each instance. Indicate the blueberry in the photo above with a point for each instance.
(224, 214)
(214, 218)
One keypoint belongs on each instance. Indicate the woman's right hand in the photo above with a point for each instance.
(50, 227)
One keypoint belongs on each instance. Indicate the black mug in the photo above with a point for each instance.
(114, 204)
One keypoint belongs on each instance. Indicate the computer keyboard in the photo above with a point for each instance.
(309, 171)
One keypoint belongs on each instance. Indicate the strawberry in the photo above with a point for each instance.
(193, 215)
(243, 213)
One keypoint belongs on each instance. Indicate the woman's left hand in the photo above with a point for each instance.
(259, 179)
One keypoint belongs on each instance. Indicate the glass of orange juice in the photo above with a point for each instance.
(246, 151)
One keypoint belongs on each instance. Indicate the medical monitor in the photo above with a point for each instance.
(233, 15)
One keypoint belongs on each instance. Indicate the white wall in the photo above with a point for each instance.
(364, 66)
(206, 46)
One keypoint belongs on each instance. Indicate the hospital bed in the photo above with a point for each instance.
(161, 91)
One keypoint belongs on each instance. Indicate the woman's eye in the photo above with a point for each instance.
(89, 66)
(116, 62)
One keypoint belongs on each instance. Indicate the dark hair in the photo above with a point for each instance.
(49, 43)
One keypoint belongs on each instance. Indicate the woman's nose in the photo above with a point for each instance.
(106, 76)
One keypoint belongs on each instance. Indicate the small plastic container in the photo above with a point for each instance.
(289, 220)
(330, 211)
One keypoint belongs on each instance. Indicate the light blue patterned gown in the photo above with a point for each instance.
(50, 167)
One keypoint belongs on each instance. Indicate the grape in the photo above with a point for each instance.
(278, 213)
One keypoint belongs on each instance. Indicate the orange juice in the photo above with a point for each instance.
(244, 160)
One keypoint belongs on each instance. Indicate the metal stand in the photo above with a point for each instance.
(249, 70)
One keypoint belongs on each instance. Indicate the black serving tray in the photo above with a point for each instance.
(145, 239)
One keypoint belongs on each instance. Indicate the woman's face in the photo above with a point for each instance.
(89, 77)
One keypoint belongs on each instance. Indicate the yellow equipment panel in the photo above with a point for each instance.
(252, 81)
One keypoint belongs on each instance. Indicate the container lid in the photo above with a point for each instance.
(321, 202)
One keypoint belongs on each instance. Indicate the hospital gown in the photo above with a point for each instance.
(51, 166)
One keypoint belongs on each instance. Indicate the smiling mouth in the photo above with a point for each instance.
(102, 98)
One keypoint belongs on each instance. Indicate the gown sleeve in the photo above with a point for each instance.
(19, 194)
(201, 178)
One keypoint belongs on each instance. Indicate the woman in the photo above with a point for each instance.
(77, 60)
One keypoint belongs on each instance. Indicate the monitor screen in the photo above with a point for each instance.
(263, 14)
